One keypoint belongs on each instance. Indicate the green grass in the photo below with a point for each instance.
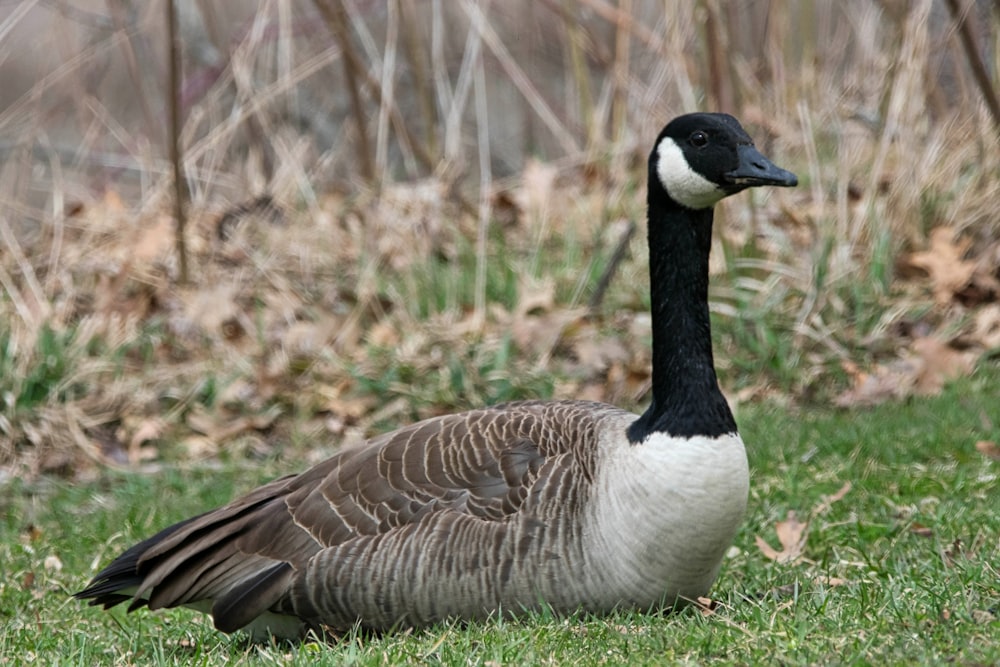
(901, 570)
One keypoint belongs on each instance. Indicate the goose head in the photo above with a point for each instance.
(700, 158)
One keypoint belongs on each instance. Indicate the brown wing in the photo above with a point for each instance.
(243, 557)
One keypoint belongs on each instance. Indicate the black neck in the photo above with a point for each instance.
(686, 396)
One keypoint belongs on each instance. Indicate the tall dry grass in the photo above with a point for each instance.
(396, 208)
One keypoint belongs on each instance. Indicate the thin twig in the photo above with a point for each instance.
(415, 55)
(133, 51)
(335, 15)
(960, 15)
(176, 156)
(621, 250)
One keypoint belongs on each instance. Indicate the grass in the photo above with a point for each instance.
(900, 570)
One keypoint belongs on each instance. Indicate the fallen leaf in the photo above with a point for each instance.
(939, 363)
(983, 616)
(706, 605)
(52, 563)
(537, 182)
(596, 355)
(28, 581)
(870, 388)
(148, 429)
(924, 369)
(791, 536)
(986, 331)
(954, 552)
(944, 264)
(826, 501)
(153, 240)
(989, 449)
(830, 581)
(534, 296)
(921, 530)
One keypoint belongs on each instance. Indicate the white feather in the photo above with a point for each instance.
(666, 510)
(684, 185)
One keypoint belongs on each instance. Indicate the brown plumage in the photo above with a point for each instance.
(377, 532)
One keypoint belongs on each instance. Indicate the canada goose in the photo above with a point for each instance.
(570, 504)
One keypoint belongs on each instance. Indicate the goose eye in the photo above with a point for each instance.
(698, 139)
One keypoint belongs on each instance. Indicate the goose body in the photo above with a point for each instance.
(570, 504)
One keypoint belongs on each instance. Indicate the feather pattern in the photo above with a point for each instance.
(570, 504)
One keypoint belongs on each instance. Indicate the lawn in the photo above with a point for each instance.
(899, 567)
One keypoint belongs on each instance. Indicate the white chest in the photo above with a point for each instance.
(664, 512)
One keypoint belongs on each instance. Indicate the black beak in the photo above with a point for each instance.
(755, 169)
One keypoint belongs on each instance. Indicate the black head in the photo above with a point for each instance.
(700, 158)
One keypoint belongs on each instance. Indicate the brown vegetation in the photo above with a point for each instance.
(401, 208)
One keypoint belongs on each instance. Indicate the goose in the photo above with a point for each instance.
(562, 504)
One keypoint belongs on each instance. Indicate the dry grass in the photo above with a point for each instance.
(398, 209)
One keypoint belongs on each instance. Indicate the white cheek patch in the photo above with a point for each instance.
(684, 185)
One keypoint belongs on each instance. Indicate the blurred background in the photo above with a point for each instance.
(394, 209)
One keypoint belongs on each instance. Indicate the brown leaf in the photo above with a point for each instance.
(826, 501)
(706, 605)
(939, 363)
(148, 429)
(986, 331)
(926, 367)
(983, 616)
(153, 240)
(921, 530)
(219, 426)
(943, 262)
(791, 536)
(882, 384)
(597, 354)
(989, 449)
(830, 581)
(534, 296)
(537, 182)
(209, 309)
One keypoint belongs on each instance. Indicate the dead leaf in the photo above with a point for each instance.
(537, 182)
(986, 331)
(534, 296)
(28, 581)
(52, 563)
(830, 581)
(791, 536)
(921, 530)
(983, 616)
(148, 429)
(940, 363)
(209, 309)
(882, 384)
(220, 426)
(989, 449)
(706, 605)
(924, 369)
(595, 355)
(826, 501)
(954, 552)
(153, 240)
(944, 264)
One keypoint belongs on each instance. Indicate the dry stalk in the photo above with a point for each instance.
(133, 51)
(176, 151)
(415, 49)
(335, 15)
(519, 78)
(619, 109)
(960, 14)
